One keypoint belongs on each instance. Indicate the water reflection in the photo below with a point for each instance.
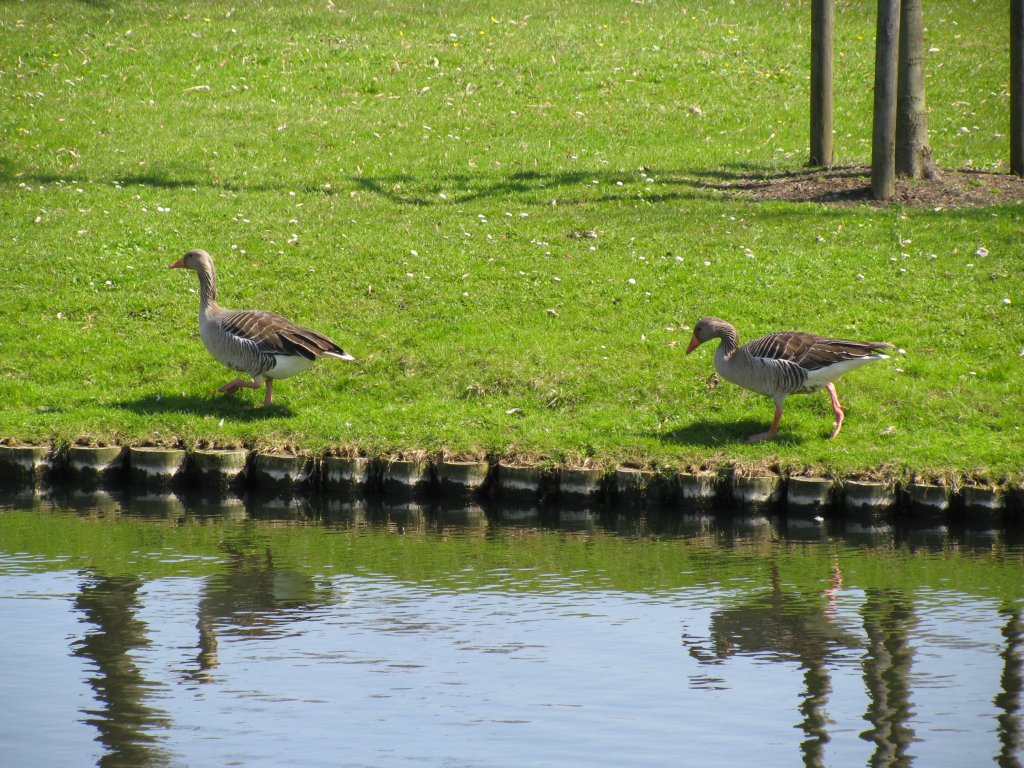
(250, 598)
(1008, 700)
(786, 625)
(760, 590)
(780, 624)
(124, 719)
(888, 618)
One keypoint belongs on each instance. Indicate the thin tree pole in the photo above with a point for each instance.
(913, 153)
(883, 138)
(822, 33)
(1017, 87)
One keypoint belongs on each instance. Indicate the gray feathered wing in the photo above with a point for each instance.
(809, 351)
(276, 335)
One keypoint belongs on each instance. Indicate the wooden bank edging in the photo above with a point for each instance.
(449, 480)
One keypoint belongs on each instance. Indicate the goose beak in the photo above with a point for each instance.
(694, 343)
(179, 264)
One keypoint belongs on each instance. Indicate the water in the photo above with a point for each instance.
(148, 633)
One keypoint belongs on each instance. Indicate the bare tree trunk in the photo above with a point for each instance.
(1017, 87)
(822, 29)
(913, 154)
(883, 138)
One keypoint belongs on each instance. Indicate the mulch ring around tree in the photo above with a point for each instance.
(848, 186)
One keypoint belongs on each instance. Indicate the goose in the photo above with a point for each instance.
(785, 363)
(264, 345)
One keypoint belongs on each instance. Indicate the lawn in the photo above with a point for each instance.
(512, 215)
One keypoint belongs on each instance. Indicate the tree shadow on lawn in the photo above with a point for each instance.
(462, 188)
(214, 406)
(836, 185)
(715, 433)
(459, 189)
(402, 188)
(851, 185)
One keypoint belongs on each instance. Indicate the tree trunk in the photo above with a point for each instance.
(913, 155)
(1017, 87)
(883, 137)
(822, 29)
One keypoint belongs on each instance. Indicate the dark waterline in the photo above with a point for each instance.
(286, 631)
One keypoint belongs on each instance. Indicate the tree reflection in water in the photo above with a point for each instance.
(888, 618)
(792, 626)
(125, 721)
(251, 597)
(1011, 731)
(787, 626)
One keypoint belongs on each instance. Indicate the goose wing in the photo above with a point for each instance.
(811, 352)
(275, 335)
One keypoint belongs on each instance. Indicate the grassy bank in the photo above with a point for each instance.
(510, 217)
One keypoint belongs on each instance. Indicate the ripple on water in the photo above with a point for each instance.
(295, 645)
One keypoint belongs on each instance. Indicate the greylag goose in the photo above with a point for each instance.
(785, 363)
(261, 344)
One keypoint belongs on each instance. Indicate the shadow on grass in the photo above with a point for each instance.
(749, 182)
(405, 189)
(802, 185)
(709, 434)
(466, 188)
(230, 407)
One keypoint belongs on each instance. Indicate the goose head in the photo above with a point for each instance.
(708, 328)
(196, 259)
(200, 261)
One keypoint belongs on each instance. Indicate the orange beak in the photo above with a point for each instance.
(179, 264)
(694, 343)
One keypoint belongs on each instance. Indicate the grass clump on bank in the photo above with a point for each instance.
(510, 217)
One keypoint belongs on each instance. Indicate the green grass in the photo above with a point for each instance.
(407, 181)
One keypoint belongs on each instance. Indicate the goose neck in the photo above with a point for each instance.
(207, 286)
(730, 341)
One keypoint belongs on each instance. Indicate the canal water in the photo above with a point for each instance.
(156, 632)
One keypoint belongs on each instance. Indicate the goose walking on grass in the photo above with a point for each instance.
(261, 344)
(786, 363)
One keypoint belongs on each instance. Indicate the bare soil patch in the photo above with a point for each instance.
(847, 186)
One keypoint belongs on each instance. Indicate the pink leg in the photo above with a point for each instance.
(267, 399)
(236, 384)
(832, 593)
(836, 408)
(773, 430)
